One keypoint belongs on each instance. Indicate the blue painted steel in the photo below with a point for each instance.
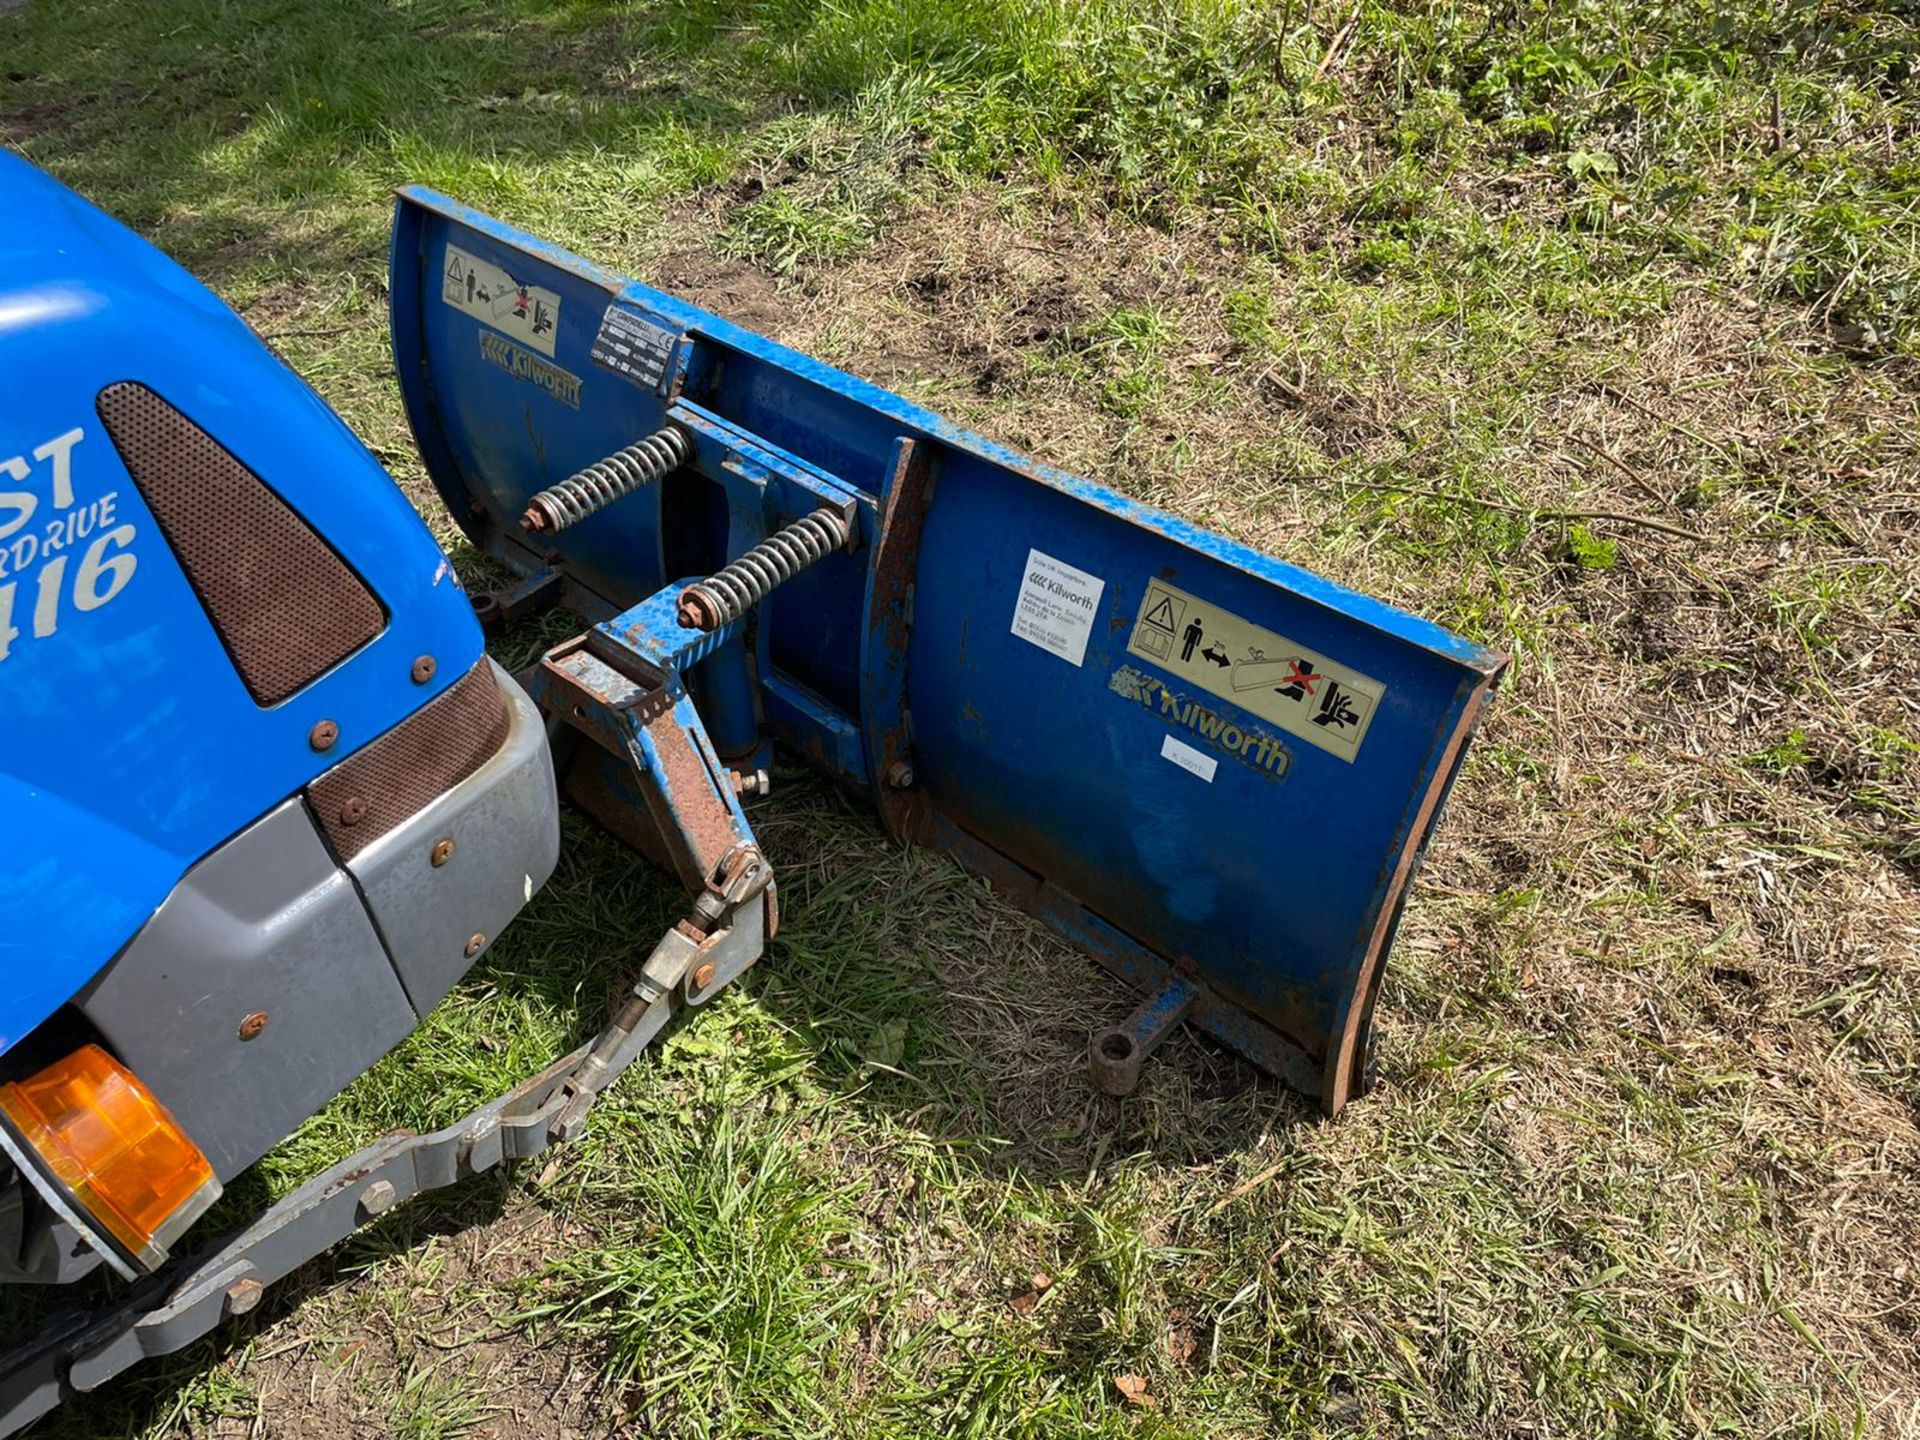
(129, 748)
(747, 467)
(615, 685)
(723, 687)
(1161, 1012)
(1048, 775)
(659, 641)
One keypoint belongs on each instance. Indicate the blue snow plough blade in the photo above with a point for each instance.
(1214, 771)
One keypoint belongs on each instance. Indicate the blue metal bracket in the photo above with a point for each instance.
(623, 685)
(788, 485)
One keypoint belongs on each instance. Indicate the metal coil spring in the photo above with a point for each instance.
(605, 481)
(727, 594)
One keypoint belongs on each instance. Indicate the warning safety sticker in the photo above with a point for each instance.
(490, 295)
(1301, 691)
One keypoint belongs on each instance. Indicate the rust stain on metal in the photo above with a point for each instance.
(691, 795)
(243, 1295)
(698, 610)
(904, 811)
(1346, 1056)
(896, 540)
(594, 783)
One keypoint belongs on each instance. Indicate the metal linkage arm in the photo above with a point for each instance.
(696, 959)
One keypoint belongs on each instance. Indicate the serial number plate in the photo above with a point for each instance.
(633, 347)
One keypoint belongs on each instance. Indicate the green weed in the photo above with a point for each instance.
(718, 1304)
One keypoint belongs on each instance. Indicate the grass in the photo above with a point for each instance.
(1412, 294)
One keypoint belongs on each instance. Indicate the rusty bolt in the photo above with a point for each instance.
(243, 1295)
(322, 736)
(251, 1027)
(377, 1198)
(697, 610)
(475, 943)
(441, 852)
(703, 977)
(353, 810)
(535, 519)
(900, 775)
(423, 669)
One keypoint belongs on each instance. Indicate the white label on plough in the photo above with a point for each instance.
(1193, 761)
(1056, 606)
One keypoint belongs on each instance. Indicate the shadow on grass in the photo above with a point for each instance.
(232, 135)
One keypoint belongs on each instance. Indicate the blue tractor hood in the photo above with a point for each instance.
(130, 743)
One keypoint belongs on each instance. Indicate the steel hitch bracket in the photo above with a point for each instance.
(622, 686)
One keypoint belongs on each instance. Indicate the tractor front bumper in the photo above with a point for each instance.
(294, 956)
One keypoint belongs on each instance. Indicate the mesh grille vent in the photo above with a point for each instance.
(421, 758)
(286, 607)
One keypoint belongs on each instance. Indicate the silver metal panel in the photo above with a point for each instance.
(268, 925)
(504, 825)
